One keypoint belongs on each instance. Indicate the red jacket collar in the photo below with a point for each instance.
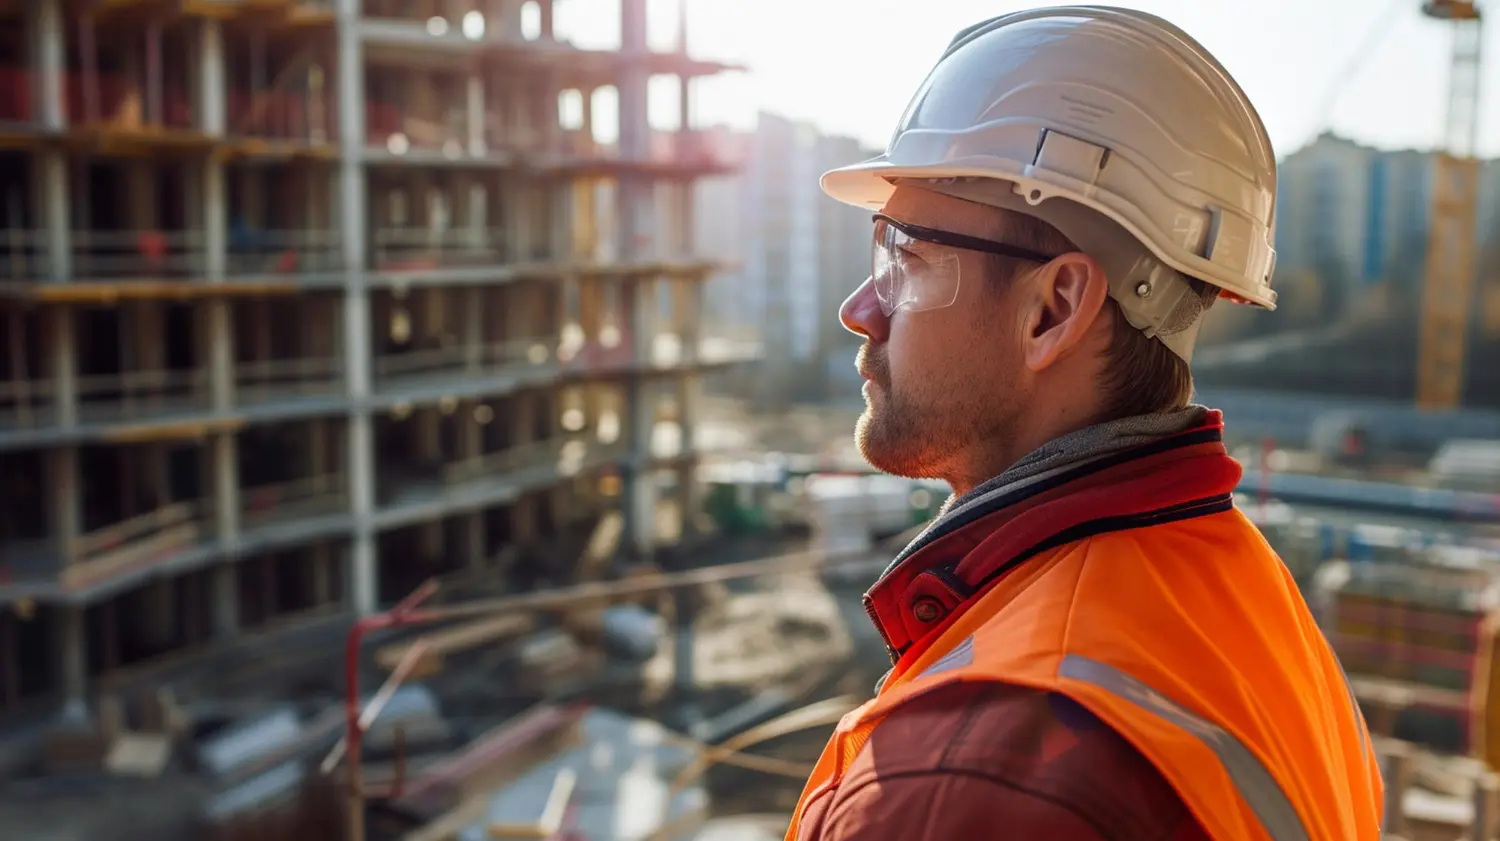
(1177, 477)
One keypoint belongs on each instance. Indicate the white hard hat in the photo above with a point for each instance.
(1115, 127)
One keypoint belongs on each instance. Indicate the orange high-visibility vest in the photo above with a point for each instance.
(1191, 640)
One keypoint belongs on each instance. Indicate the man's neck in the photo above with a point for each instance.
(1078, 446)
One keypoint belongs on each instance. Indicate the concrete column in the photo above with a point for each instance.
(689, 404)
(72, 657)
(46, 20)
(474, 118)
(212, 90)
(62, 364)
(213, 211)
(226, 488)
(547, 20)
(52, 192)
(635, 130)
(640, 485)
(227, 519)
(356, 326)
(64, 502)
(215, 219)
(689, 317)
(689, 494)
(473, 327)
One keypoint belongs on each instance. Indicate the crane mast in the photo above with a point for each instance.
(1447, 289)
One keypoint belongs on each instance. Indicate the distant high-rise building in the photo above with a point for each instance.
(800, 254)
(1355, 216)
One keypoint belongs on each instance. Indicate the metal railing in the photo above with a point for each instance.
(141, 394)
(287, 251)
(309, 496)
(168, 255)
(519, 353)
(266, 380)
(416, 249)
(28, 404)
(566, 454)
(117, 255)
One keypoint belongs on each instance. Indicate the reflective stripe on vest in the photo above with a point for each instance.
(1255, 785)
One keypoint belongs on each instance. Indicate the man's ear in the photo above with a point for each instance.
(1063, 304)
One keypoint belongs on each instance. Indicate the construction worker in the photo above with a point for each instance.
(1089, 641)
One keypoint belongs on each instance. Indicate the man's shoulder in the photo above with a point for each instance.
(965, 749)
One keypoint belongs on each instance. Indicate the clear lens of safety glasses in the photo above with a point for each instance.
(909, 273)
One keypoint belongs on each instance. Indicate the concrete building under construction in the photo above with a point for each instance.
(301, 305)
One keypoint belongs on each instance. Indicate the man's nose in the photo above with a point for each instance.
(861, 313)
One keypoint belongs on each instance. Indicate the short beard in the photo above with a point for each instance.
(904, 437)
(893, 438)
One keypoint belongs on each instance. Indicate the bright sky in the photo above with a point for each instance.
(849, 66)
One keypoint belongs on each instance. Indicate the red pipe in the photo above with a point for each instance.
(404, 613)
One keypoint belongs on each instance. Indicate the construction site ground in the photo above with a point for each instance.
(741, 652)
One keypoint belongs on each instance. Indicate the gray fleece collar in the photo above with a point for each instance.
(1056, 456)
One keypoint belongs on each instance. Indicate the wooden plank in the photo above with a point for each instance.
(455, 639)
(185, 431)
(602, 545)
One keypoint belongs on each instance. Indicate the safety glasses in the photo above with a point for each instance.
(915, 269)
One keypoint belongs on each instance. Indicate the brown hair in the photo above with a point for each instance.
(1143, 376)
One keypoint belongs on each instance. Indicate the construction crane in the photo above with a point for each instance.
(1447, 296)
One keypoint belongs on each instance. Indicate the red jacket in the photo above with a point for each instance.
(968, 759)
